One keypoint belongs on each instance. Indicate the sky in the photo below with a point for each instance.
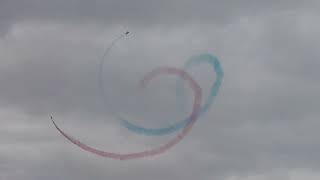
(263, 124)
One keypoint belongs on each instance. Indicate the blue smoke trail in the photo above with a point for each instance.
(193, 61)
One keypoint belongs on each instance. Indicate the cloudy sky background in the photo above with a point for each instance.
(263, 124)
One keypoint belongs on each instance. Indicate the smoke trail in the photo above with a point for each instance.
(100, 72)
(163, 148)
(194, 61)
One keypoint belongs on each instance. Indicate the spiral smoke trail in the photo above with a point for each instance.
(194, 61)
(163, 148)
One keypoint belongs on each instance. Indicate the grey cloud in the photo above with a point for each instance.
(264, 119)
(141, 12)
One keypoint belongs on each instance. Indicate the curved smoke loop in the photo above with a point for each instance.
(185, 124)
(194, 61)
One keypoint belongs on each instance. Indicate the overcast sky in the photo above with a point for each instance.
(263, 124)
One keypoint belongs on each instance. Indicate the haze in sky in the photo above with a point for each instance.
(262, 125)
